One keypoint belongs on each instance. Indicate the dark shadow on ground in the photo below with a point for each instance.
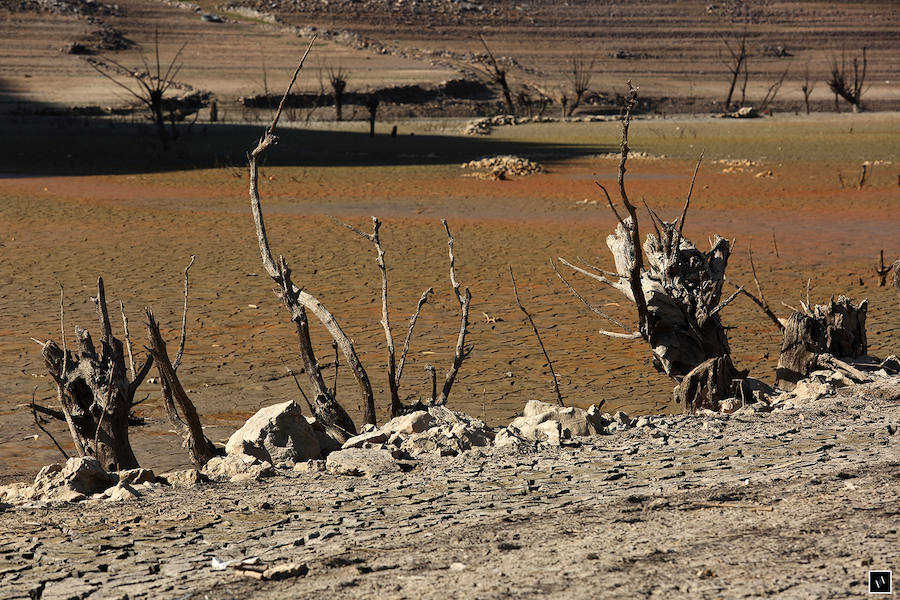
(91, 146)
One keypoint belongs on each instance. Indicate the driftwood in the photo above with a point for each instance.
(708, 384)
(883, 271)
(816, 337)
(95, 394)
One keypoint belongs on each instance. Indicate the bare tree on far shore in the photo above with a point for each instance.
(580, 73)
(841, 84)
(148, 85)
(735, 61)
(497, 75)
(807, 87)
(337, 77)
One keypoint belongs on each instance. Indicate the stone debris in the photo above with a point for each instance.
(121, 492)
(361, 462)
(549, 424)
(237, 467)
(276, 434)
(136, 476)
(485, 125)
(185, 477)
(503, 167)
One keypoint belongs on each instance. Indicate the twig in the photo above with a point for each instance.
(299, 387)
(883, 271)
(337, 364)
(178, 356)
(617, 286)
(687, 202)
(611, 206)
(538, 336)
(725, 303)
(42, 428)
(412, 323)
(431, 371)
(464, 300)
(623, 336)
(775, 245)
(590, 306)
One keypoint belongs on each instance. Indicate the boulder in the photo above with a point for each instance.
(448, 434)
(122, 492)
(237, 467)
(537, 428)
(372, 437)
(572, 421)
(414, 422)
(276, 434)
(136, 476)
(367, 462)
(83, 475)
(184, 478)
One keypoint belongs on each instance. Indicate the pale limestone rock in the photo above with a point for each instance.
(122, 492)
(237, 467)
(414, 422)
(184, 478)
(84, 475)
(572, 421)
(361, 462)
(136, 476)
(275, 434)
(372, 437)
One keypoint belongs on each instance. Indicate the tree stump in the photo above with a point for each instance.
(708, 384)
(837, 330)
(95, 393)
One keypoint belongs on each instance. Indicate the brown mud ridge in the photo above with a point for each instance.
(799, 502)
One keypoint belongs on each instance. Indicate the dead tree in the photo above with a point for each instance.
(735, 62)
(298, 301)
(883, 271)
(179, 408)
(148, 85)
(580, 73)
(395, 372)
(841, 84)
(497, 74)
(94, 391)
(337, 77)
(773, 90)
(807, 87)
(676, 290)
(820, 337)
(372, 105)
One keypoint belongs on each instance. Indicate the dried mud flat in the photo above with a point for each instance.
(798, 503)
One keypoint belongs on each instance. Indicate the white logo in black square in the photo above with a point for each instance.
(880, 582)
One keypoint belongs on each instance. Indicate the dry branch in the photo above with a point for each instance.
(538, 336)
(464, 299)
(187, 423)
(298, 301)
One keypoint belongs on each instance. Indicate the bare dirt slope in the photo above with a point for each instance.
(800, 504)
(672, 50)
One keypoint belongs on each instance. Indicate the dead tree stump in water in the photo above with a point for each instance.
(95, 393)
(812, 336)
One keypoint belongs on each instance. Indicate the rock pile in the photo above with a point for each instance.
(503, 167)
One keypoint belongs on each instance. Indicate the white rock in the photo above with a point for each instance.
(83, 475)
(136, 476)
(414, 422)
(275, 434)
(572, 421)
(122, 492)
(361, 462)
(371, 437)
(184, 477)
(237, 467)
